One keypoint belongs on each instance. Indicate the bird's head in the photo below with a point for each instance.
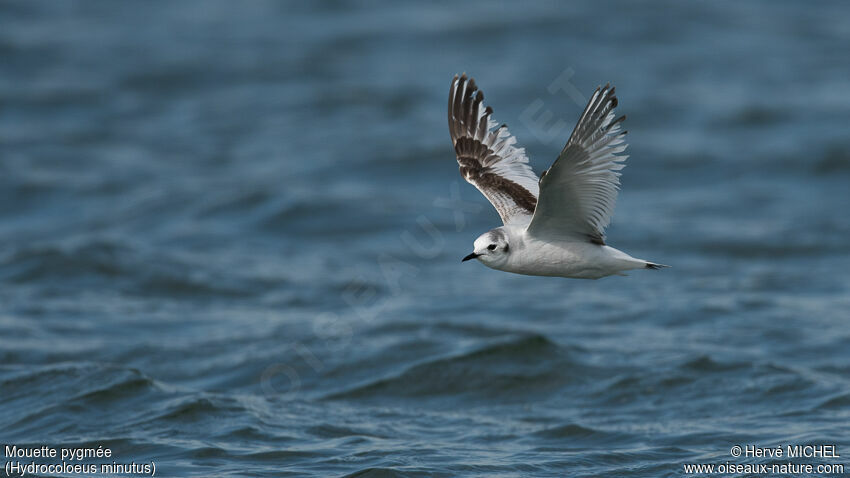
(491, 248)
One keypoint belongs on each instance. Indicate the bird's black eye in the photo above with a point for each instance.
(491, 247)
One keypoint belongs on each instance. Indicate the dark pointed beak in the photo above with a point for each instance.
(471, 256)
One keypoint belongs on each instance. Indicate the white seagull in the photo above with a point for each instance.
(555, 225)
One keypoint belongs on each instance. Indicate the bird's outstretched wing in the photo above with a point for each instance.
(579, 191)
(487, 155)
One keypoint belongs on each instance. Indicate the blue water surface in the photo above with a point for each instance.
(231, 236)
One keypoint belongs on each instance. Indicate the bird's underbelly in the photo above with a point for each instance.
(578, 261)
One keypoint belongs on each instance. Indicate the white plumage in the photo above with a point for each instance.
(554, 226)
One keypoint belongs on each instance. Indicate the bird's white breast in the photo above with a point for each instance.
(531, 256)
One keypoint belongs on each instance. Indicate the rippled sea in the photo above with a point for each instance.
(230, 238)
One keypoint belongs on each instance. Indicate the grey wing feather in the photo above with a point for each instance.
(579, 192)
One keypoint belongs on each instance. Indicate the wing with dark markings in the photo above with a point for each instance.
(579, 192)
(487, 155)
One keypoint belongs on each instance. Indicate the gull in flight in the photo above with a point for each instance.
(554, 225)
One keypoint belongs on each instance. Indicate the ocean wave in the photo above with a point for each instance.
(704, 363)
(521, 367)
(52, 395)
(328, 430)
(581, 433)
(839, 401)
(42, 262)
(378, 472)
(76, 381)
(198, 408)
(117, 265)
